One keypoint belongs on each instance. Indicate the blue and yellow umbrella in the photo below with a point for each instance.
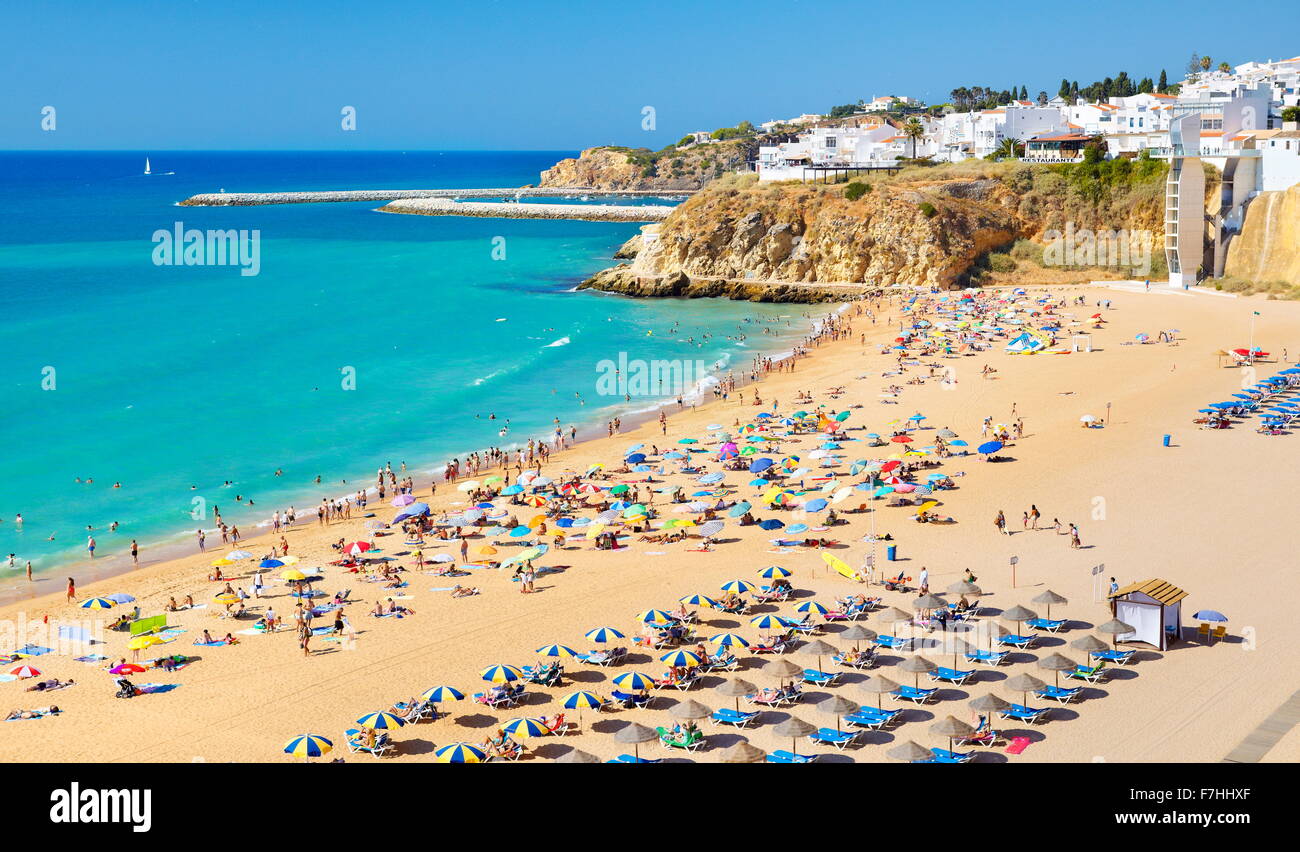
(97, 603)
(557, 651)
(525, 727)
(460, 753)
(768, 622)
(634, 680)
(439, 694)
(654, 616)
(737, 586)
(812, 606)
(308, 745)
(604, 634)
(725, 639)
(681, 659)
(583, 700)
(501, 674)
(772, 572)
(699, 600)
(380, 721)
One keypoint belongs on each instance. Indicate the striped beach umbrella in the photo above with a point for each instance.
(439, 694)
(97, 603)
(773, 572)
(654, 616)
(308, 745)
(25, 671)
(768, 622)
(525, 727)
(557, 651)
(813, 607)
(726, 639)
(582, 700)
(501, 674)
(460, 753)
(604, 634)
(380, 721)
(681, 659)
(634, 680)
(737, 586)
(699, 600)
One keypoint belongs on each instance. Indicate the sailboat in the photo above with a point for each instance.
(146, 166)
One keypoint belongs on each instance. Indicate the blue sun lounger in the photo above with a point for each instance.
(1017, 641)
(988, 658)
(1022, 713)
(1050, 625)
(870, 717)
(1092, 674)
(942, 755)
(951, 675)
(911, 693)
(891, 642)
(830, 736)
(1118, 657)
(783, 756)
(727, 716)
(820, 678)
(627, 758)
(1064, 696)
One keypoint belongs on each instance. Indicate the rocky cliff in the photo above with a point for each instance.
(639, 168)
(1265, 248)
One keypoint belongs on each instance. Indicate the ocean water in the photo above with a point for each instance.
(365, 338)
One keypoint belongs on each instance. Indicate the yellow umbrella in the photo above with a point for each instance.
(594, 530)
(292, 574)
(141, 642)
(289, 560)
(841, 567)
(926, 506)
(222, 562)
(487, 550)
(537, 519)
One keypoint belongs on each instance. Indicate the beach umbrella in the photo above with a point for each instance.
(1024, 683)
(893, 615)
(1089, 644)
(1057, 663)
(962, 587)
(724, 640)
(501, 674)
(634, 681)
(813, 607)
(401, 500)
(97, 603)
(123, 597)
(227, 599)
(743, 752)
(270, 563)
(634, 734)
(127, 668)
(926, 602)
(1115, 628)
(381, 721)
(709, 529)
(910, 752)
(989, 704)
(293, 574)
(681, 659)
(460, 753)
(767, 622)
(308, 745)
(783, 670)
(739, 509)
(699, 600)
(525, 727)
(989, 447)
(917, 666)
(946, 434)
(857, 633)
(950, 727)
(575, 755)
(438, 694)
(583, 700)
(689, 709)
(25, 671)
(796, 729)
(817, 648)
(1050, 597)
(1209, 615)
(239, 554)
(837, 706)
(557, 651)
(1019, 614)
(139, 643)
(959, 646)
(772, 572)
(603, 634)
(738, 587)
(735, 688)
(221, 562)
(654, 616)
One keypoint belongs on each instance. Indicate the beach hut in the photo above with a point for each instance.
(1153, 608)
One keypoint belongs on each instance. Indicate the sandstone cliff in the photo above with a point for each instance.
(638, 168)
(1265, 248)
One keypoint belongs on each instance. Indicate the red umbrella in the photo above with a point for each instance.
(890, 465)
(901, 439)
(358, 547)
(127, 668)
(25, 671)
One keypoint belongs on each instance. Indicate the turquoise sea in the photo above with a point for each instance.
(173, 380)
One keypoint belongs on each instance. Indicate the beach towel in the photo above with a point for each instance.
(5, 678)
(1018, 744)
(152, 688)
(443, 589)
(171, 633)
(251, 631)
(32, 651)
(212, 644)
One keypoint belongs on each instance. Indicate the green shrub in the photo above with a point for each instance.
(1003, 263)
(928, 210)
(856, 190)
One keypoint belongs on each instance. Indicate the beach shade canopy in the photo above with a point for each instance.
(634, 680)
(460, 753)
(989, 704)
(1209, 615)
(308, 745)
(770, 524)
(727, 639)
(1057, 663)
(738, 587)
(139, 643)
(735, 688)
(557, 651)
(796, 729)
(858, 633)
(682, 659)
(783, 669)
(837, 706)
(961, 587)
(525, 726)
(1024, 683)
(501, 674)
(989, 447)
(1018, 614)
(576, 755)
(633, 733)
(293, 574)
(879, 685)
(772, 572)
(928, 602)
(439, 694)
(951, 726)
(1049, 598)
(123, 597)
(910, 752)
(893, 615)
(97, 603)
(743, 752)
(768, 621)
(1115, 628)
(380, 721)
(1089, 644)
(689, 709)
(270, 563)
(813, 607)
(582, 700)
(817, 648)
(917, 666)
(603, 634)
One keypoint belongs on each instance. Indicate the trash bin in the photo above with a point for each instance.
(1165, 440)
(891, 552)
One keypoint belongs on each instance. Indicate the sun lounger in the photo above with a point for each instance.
(988, 658)
(942, 755)
(627, 758)
(1092, 674)
(1064, 696)
(864, 661)
(891, 642)
(1050, 625)
(1021, 713)
(872, 717)
(820, 678)
(803, 628)
(689, 742)
(776, 648)
(775, 698)
(984, 737)
(382, 745)
(832, 737)
(727, 663)
(1016, 641)
(630, 700)
(604, 657)
(783, 756)
(911, 693)
(417, 711)
(951, 675)
(1120, 658)
(727, 716)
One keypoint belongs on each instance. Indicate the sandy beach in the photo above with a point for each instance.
(1201, 514)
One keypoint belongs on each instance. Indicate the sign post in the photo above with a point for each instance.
(1097, 571)
(1014, 561)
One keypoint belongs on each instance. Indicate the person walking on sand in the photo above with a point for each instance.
(1074, 538)
(1024, 521)
(1001, 523)
(29, 570)
(90, 545)
(72, 590)
(464, 550)
(135, 553)
(1033, 516)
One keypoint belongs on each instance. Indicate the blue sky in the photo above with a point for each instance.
(536, 74)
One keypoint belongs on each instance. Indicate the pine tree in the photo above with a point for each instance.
(1064, 91)
(1164, 82)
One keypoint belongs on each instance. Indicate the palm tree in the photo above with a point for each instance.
(1225, 67)
(1206, 63)
(913, 130)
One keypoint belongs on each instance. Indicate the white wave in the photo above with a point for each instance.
(563, 341)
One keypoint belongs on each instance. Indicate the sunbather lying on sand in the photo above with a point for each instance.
(32, 714)
(53, 683)
(464, 592)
